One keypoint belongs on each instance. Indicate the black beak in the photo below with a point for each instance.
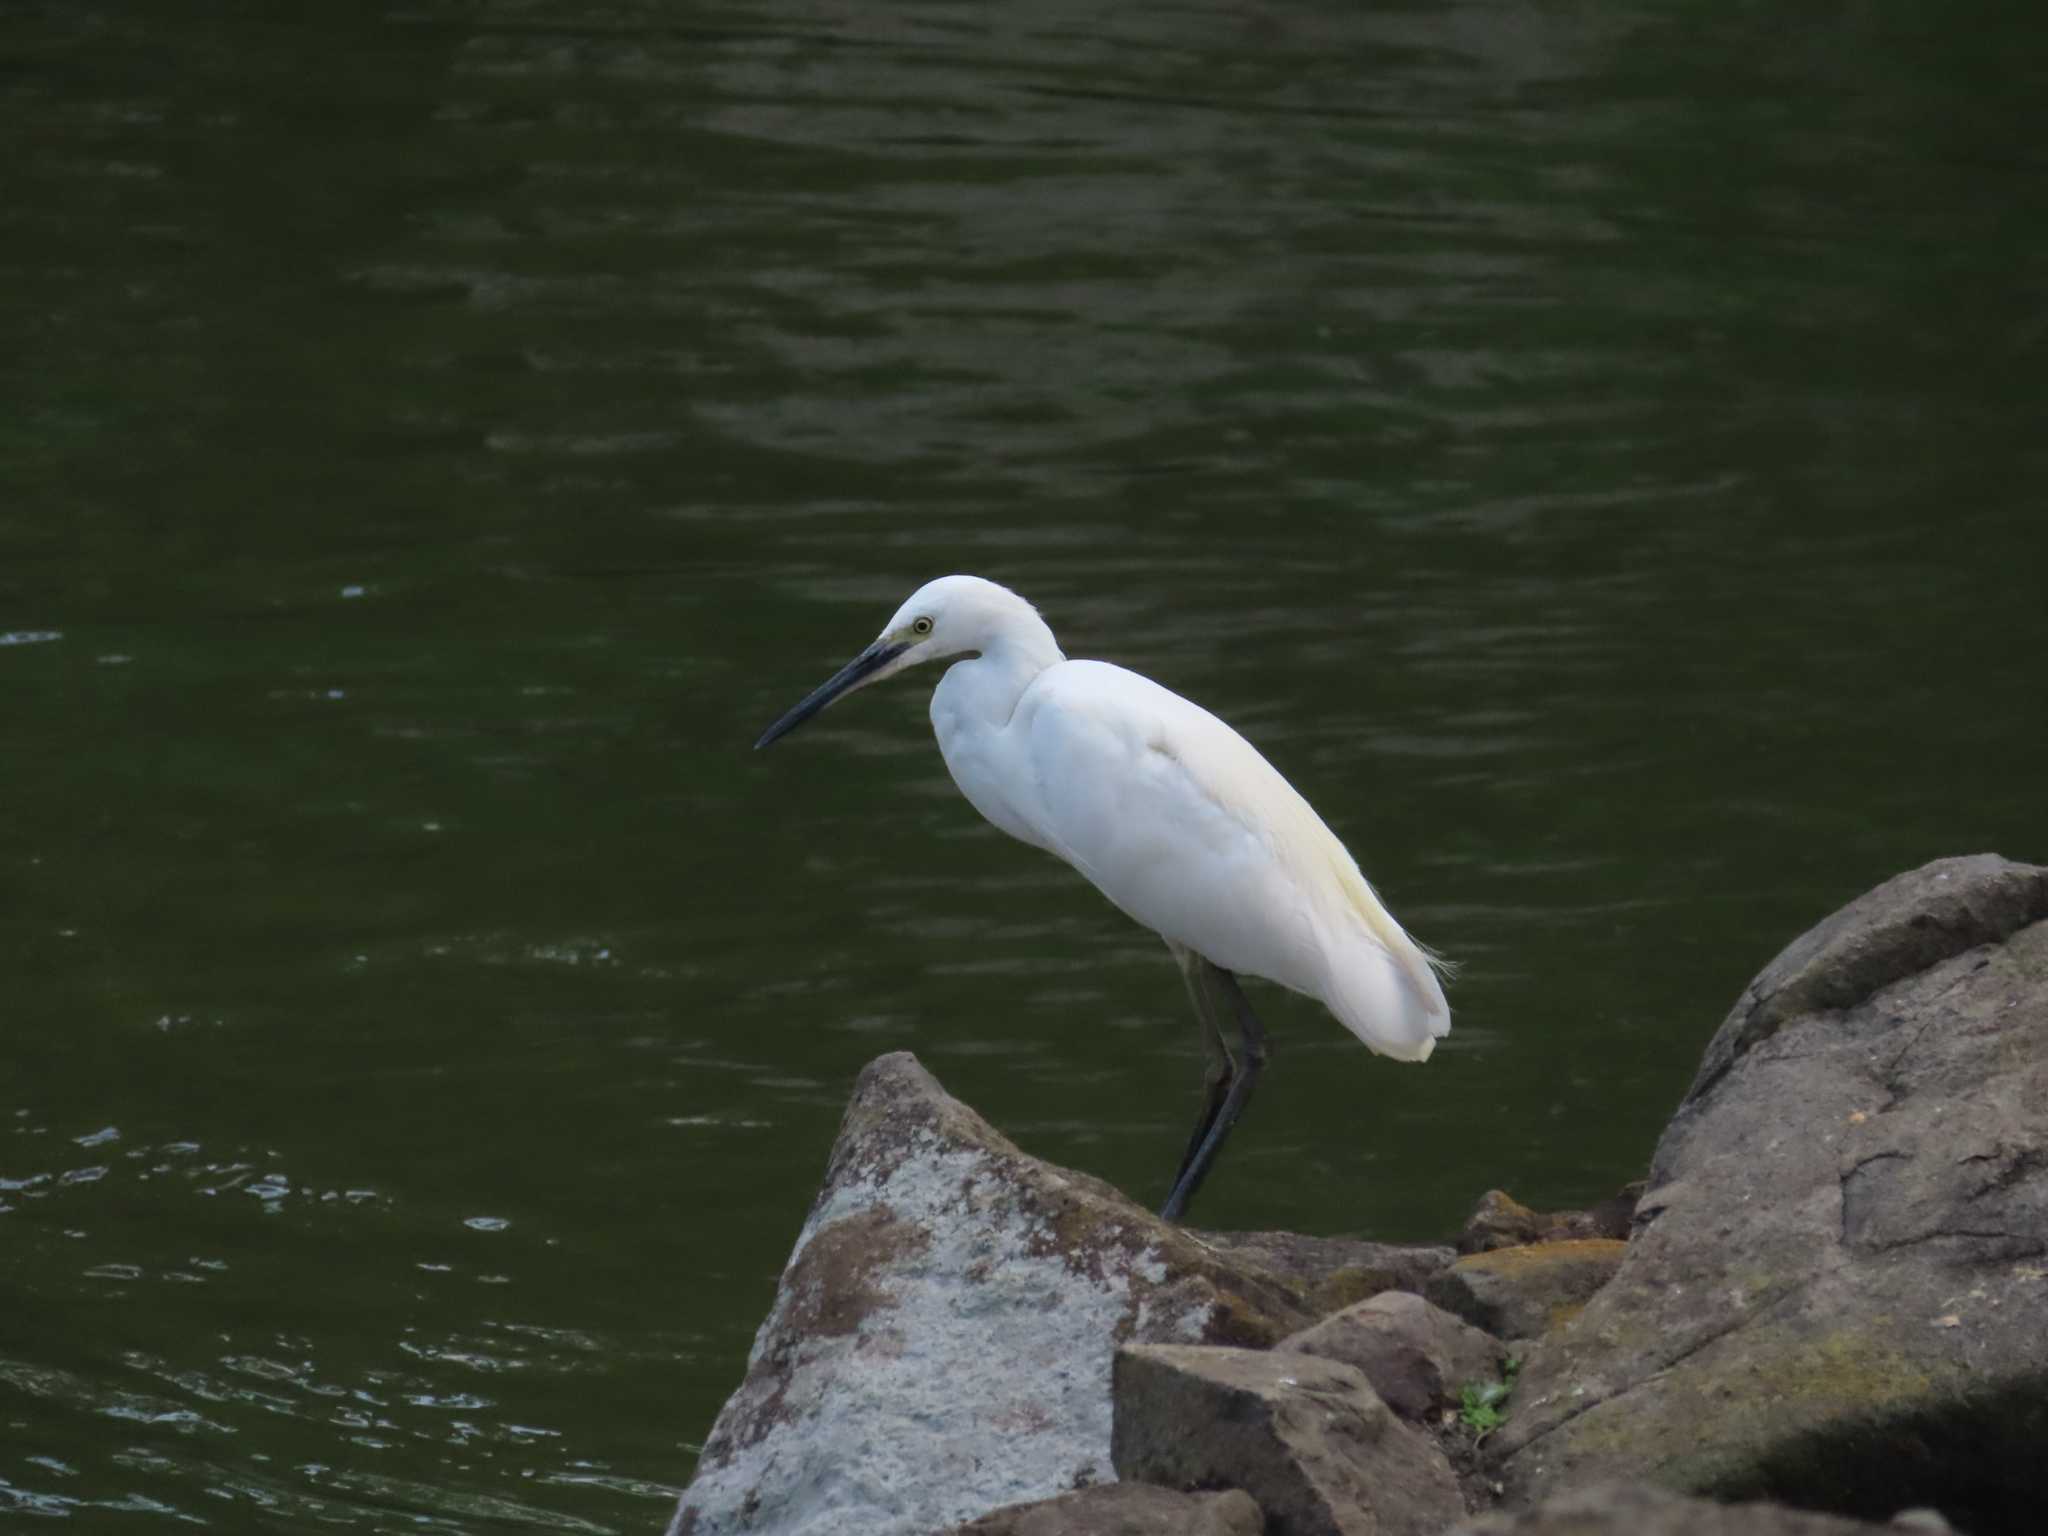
(845, 680)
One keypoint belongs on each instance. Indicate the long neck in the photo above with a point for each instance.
(1024, 644)
(985, 688)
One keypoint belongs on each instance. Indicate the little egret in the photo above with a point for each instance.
(1175, 817)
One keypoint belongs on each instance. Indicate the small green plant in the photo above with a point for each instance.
(1482, 1405)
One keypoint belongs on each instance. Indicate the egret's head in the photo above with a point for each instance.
(947, 617)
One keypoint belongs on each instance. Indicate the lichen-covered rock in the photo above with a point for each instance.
(1836, 1290)
(1307, 1438)
(1631, 1509)
(1501, 1221)
(1416, 1355)
(1124, 1509)
(941, 1341)
(1523, 1293)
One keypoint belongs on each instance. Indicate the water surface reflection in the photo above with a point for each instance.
(1596, 456)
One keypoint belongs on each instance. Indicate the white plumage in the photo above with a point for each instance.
(1173, 816)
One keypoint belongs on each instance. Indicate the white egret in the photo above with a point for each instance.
(1175, 817)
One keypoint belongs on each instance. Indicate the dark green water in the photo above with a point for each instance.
(1596, 450)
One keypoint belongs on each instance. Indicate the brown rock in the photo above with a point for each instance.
(1124, 1509)
(1501, 1221)
(1415, 1355)
(1307, 1438)
(1523, 1293)
(1630, 1509)
(1331, 1272)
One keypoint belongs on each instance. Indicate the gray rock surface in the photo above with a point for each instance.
(1900, 929)
(1307, 1438)
(1124, 1509)
(1837, 1286)
(940, 1344)
(1523, 1293)
(1415, 1355)
(1631, 1509)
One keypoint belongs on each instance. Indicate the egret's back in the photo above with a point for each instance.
(1181, 823)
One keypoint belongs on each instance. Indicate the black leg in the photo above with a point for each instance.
(1221, 1066)
(1213, 985)
(1218, 1082)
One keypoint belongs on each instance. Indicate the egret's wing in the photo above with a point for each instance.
(1156, 801)
(1185, 826)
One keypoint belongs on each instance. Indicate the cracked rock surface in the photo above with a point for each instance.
(941, 1340)
(1837, 1290)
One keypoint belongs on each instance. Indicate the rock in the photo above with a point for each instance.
(1907, 926)
(1124, 1509)
(940, 1343)
(1630, 1509)
(1331, 1272)
(1523, 1293)
(1307, 1438)
(1835, 1290)
(1415, 1355)
(1501, 1221)
(1929, 1521)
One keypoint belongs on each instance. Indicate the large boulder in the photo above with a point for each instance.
(940, 1344)
(1836, 1290)
(1307, 1438)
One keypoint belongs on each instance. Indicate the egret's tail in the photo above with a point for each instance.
(1382, 985)
(1391, 999)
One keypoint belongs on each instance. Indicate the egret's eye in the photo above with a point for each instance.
(921, 627)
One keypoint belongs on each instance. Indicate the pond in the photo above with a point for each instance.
(1595, 452)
